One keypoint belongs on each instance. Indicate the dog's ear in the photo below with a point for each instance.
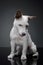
(32, 17)
(18, 14)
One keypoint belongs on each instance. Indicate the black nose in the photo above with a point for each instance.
(23, 34)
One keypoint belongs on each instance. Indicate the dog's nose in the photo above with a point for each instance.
(23, 34)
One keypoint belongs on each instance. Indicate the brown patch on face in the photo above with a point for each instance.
(18, 14)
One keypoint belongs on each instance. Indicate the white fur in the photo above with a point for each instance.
(17, 39)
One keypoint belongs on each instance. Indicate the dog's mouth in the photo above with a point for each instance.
(21, 36)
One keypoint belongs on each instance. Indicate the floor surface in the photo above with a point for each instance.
(4, 52)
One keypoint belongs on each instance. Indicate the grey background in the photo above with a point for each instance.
(29, 7)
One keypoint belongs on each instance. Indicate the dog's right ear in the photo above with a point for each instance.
(18, 14)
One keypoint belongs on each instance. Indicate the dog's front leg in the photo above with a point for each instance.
(23, 57)
(12, 43)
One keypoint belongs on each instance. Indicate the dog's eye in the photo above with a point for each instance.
(27, 26)
(20, 25)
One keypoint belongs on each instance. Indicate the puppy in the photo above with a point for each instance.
(19, 36)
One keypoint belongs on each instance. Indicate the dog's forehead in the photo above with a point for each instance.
(23, 20)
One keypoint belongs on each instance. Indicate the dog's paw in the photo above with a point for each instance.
(10, 56)
(36, 54)
(23, 57)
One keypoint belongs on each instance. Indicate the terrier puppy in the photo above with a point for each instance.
(20, 36)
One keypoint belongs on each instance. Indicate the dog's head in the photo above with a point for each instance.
(21, 23)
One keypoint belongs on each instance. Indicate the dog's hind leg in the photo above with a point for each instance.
(34, 49)
(32, 46)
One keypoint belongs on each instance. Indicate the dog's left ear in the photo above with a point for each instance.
(32, 17)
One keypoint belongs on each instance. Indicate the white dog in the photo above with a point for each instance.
(20, 37)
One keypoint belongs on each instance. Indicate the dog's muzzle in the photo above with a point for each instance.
(22, 35)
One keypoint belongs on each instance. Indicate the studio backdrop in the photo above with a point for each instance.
(29, 7)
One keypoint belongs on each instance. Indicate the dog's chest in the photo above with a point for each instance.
(19, 40)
